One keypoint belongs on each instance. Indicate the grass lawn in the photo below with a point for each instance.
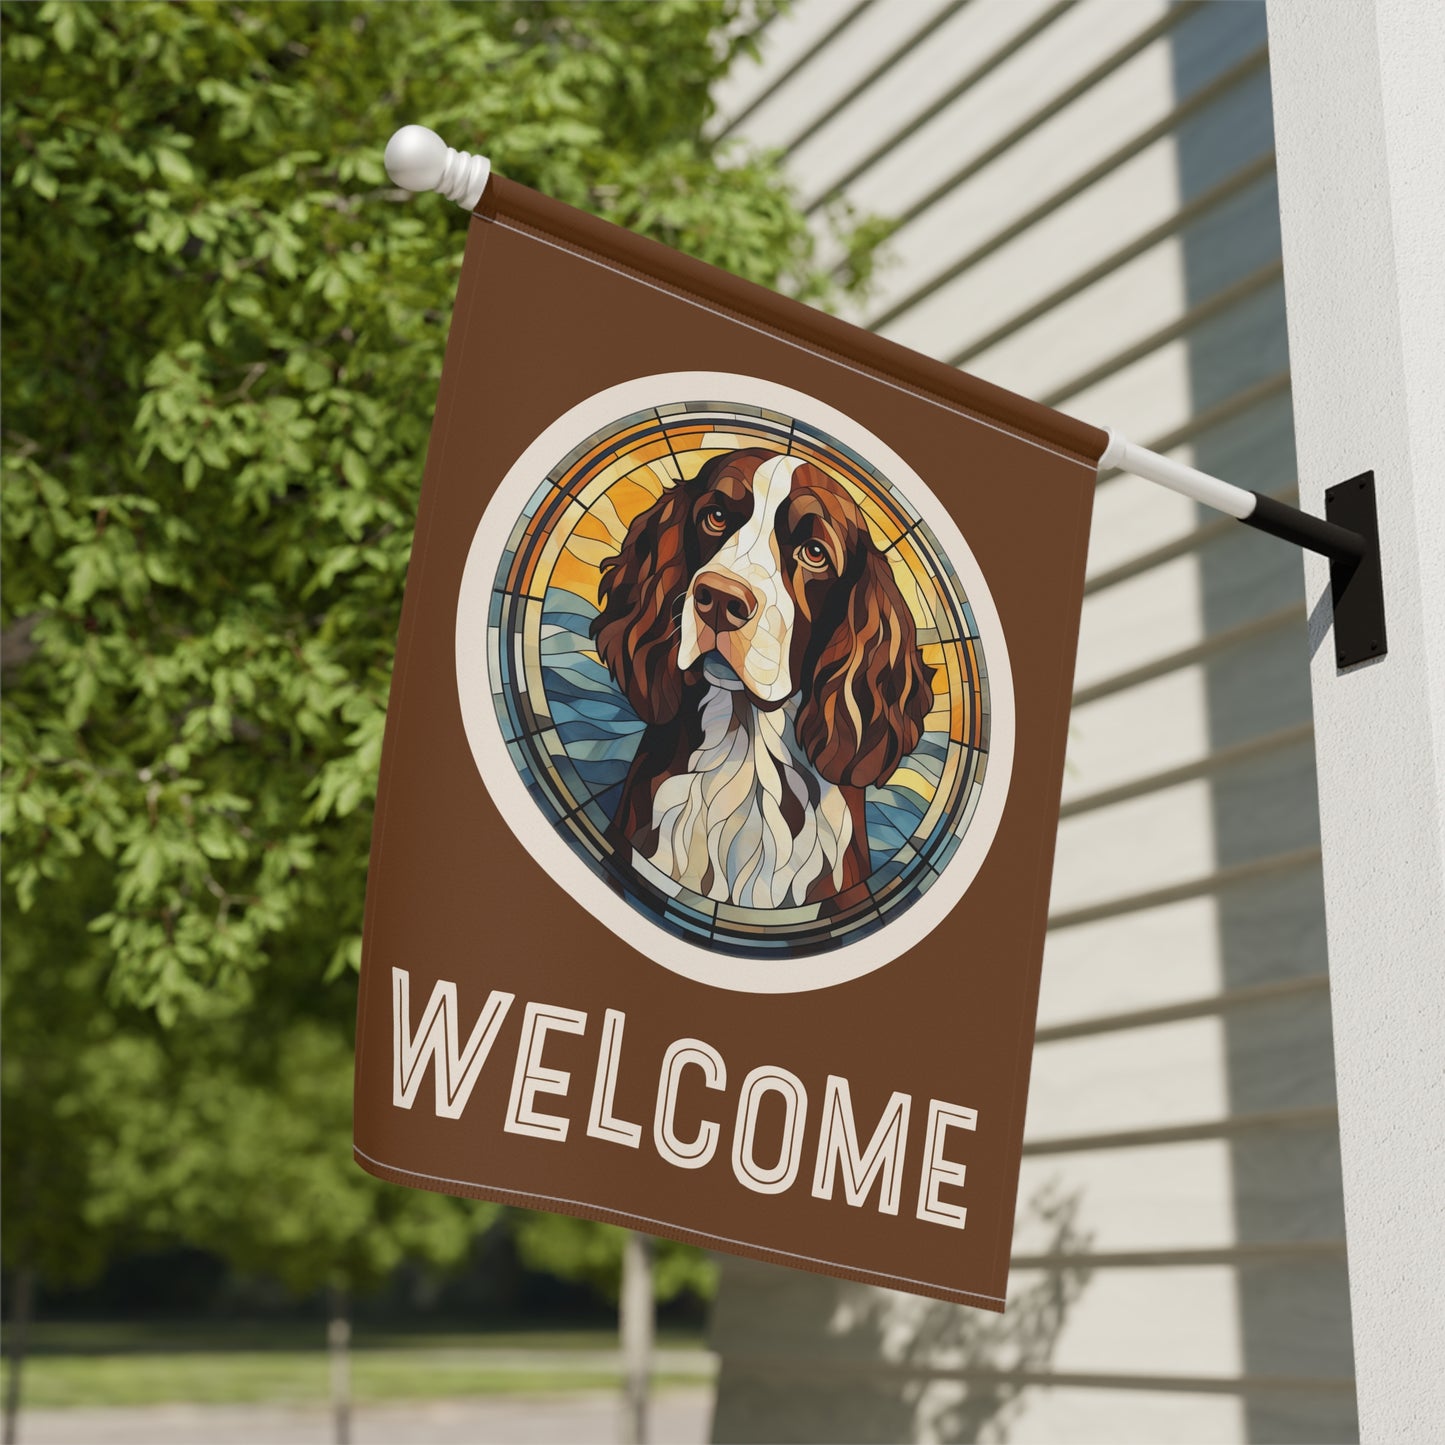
(119, 1365)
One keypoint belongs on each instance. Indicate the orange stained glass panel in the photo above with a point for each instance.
(544, 559)
(633, 495)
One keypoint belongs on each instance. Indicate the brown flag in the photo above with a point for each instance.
(722, 768)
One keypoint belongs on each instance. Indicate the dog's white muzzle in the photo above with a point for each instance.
(754, 638)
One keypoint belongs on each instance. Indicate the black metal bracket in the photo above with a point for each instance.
(1349, 535)
(1357, 589)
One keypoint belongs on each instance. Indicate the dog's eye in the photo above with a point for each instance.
(813, 555)
(715, 521)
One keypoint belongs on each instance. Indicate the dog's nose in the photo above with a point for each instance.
(722, 603)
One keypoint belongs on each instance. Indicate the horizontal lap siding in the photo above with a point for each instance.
(1092, 221)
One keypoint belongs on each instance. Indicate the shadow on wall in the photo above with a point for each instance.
(895, 1367)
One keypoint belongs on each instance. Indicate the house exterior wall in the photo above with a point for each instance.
(1362, 201)
(1090, 217)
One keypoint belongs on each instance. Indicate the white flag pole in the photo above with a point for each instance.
(1348, 535)
(418, 159)
(1123, 455)
(1314, 533)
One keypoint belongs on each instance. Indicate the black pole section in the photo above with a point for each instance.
(1349, 535)
(1337, 543)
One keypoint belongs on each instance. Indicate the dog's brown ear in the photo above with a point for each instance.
(640, 590)
(870, 689)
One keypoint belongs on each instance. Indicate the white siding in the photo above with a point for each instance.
(1090, 219)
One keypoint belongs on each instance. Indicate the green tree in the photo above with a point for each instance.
(233, 1138)
(223, 332)
(48, 1229)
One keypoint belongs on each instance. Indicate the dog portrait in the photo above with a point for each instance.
(754, 626)
(735, 671)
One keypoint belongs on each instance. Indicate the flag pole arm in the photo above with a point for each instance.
(418, 159)
(1348, 534)
(1254, 509)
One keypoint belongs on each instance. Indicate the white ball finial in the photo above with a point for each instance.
(418, 159)
(415, 158)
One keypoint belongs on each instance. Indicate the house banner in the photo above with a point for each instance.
(722, 768)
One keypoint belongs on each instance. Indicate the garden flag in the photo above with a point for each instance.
(722, 768)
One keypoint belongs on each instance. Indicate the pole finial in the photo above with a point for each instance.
(418, 159)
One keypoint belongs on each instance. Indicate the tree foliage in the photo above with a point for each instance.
(223, 334)
(121, 1134)
(223, 331)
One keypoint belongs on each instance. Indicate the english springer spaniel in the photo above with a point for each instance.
(755, 627)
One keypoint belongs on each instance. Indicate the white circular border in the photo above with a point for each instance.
(537, 834)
